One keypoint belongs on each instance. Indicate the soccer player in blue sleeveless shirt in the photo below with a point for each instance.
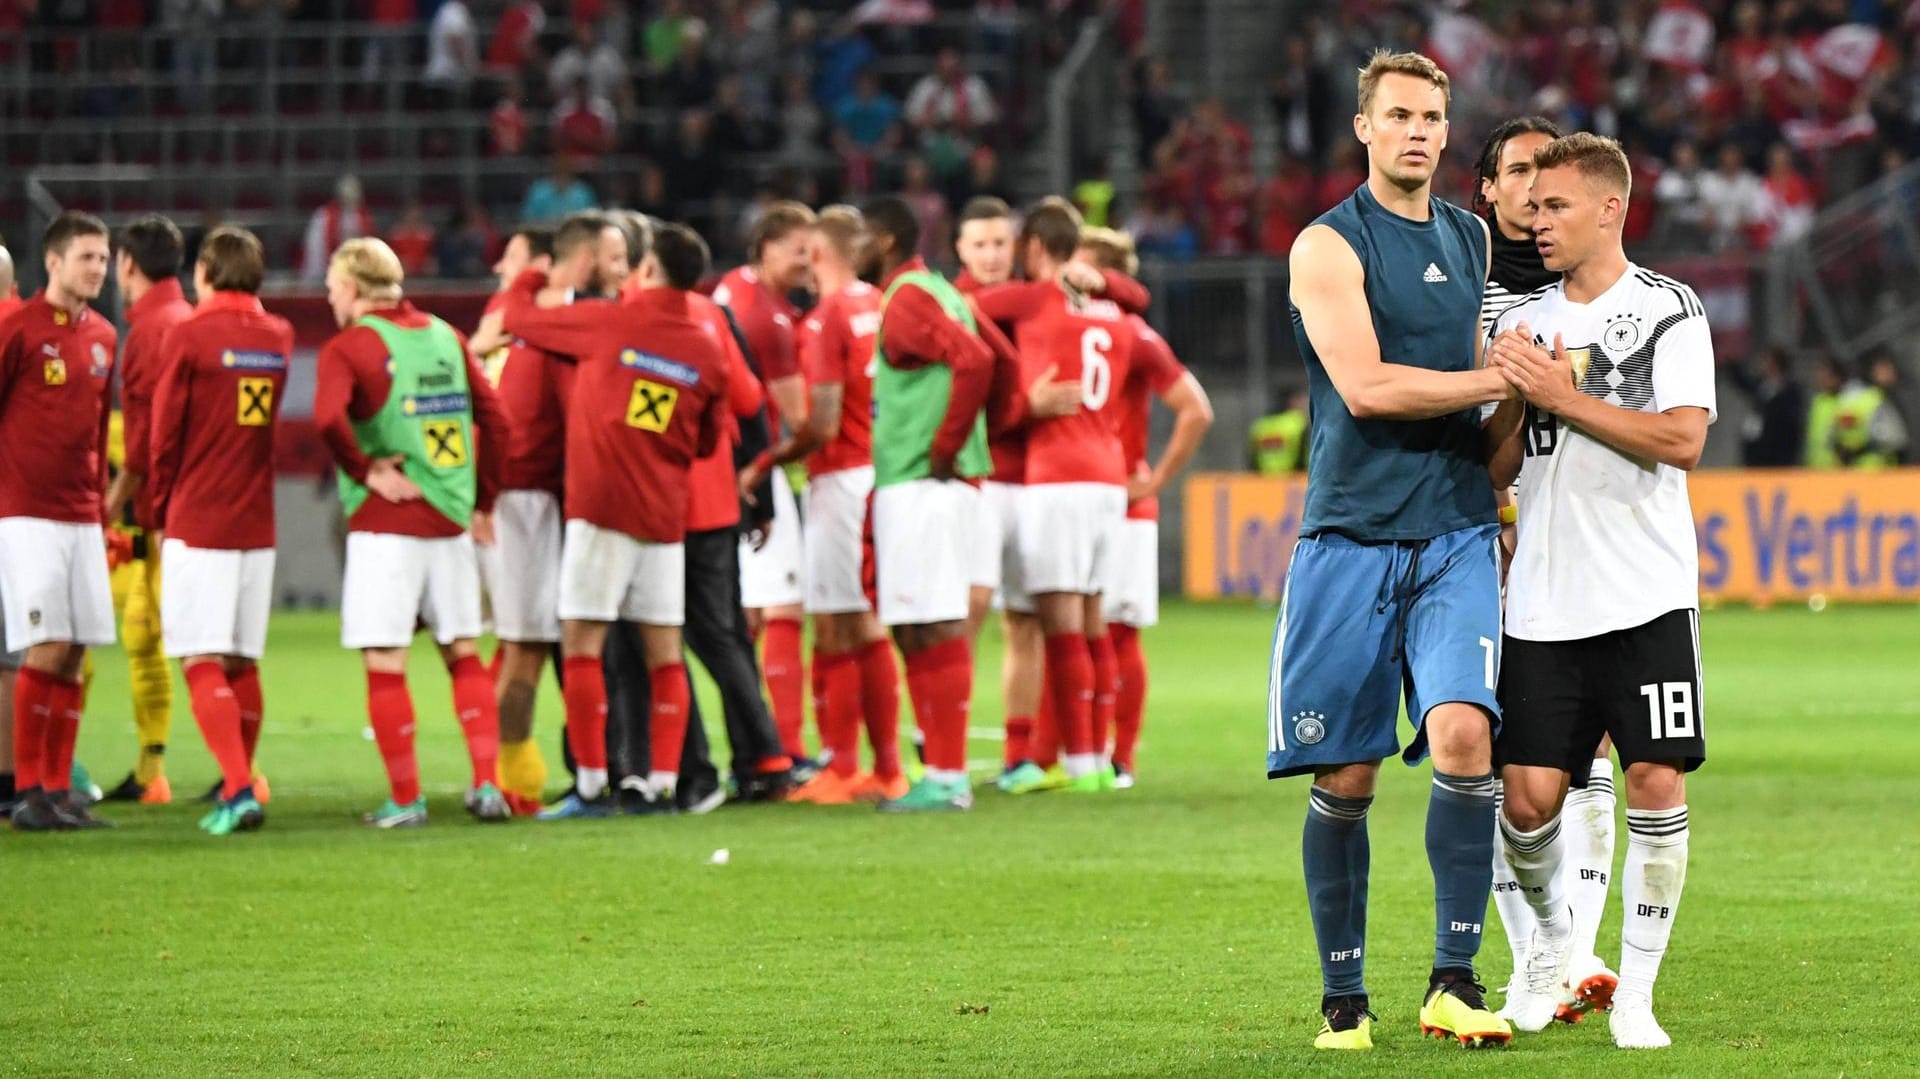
(1395, 581)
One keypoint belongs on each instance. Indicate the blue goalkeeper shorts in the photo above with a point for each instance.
(1361, 623)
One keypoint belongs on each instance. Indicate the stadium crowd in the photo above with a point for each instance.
(981, 443)
(1740, 117)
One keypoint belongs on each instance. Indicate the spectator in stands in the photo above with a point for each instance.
(866, 129)
(190, 27)
(1680, 197)
(469, 248)
(584, 124)
(1733, 201)
(751, 36)
(1302, 99)
(1155, 106)
(1775, 430)
(342, 219)
(1161, 229)
(692, 81)
(652, 197)
(949, 95)
(736, 130)
(389, 39)
(1786, 197)
(838, 60)
(983, 178)
(453, 54)
(589, 59)
(413, 239)
(515, 45)
(1229, 209)
(929, 209)
(1287, 206)
(1870, 428)
(695, 171)
(1343, 176)
(661, 38)
(802, 125)
(507, 124)
(554, 196)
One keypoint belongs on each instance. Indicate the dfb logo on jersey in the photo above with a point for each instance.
(1309, 727)
(1622, 334)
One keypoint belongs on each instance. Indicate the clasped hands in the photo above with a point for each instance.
(1544, 379)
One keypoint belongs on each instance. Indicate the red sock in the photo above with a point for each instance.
(1070, 684)
(1019, 741)
(217, 711)
(1131, 703)
(62, 732)
(942, 675)
(786, 690)
(668, 726)
(1044, 746)
(390, 708)
(837, 709)
(585, 690)
(880, 706)
(1106, 676)
(30, 722)
(477, 706)
(246, 693)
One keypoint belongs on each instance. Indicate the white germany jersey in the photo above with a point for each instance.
(1497, 300)
(1606, 540)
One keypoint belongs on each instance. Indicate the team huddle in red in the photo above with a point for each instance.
(600, 474)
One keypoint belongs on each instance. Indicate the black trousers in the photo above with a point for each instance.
(716, 633)
(630, 712)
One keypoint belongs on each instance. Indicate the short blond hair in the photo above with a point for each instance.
(372, 267)
(1595, 156)
(840, 226)
(1111, 249)
(1412, 64)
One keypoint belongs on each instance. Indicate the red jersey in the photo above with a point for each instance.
(533, 386)
(713, 488)
(1153, 373)
(56, 374)
(767, 322)
(1088, 339)
(1009, 447)
(141, 365)
(224, 373)
(648, 399)
(353, 385)
(836, 349)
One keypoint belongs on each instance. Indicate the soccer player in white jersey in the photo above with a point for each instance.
(1505, 200)
(1602, 630)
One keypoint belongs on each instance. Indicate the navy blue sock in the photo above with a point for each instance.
(1460, 851)
(1336, 855)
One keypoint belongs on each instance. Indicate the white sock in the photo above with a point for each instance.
(1516, 917)
(663, 783)
(946, 775)
(589, 782)
(1535, 857)
(1653, 877)
(1079, 764)
(1589, 860)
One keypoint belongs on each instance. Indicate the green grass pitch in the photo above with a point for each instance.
(1156, 932)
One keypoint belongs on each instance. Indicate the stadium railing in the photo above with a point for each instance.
(1853, 281)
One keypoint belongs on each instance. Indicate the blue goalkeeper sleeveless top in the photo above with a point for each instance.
(1379, 480)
